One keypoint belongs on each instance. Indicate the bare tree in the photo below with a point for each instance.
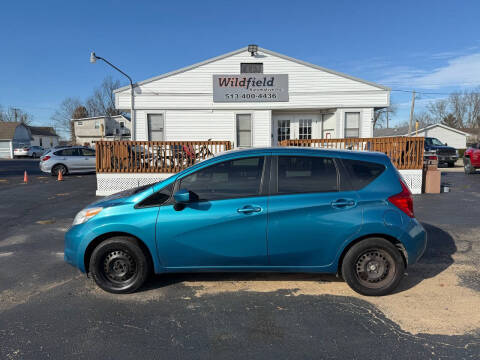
(423, 118)
(380, 115)
(63, 116)
(16, 115)
(438, 110)
(102, 102)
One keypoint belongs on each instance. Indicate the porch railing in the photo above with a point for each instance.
(405, 152)
(154, 156)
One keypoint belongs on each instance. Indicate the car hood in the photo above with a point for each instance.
(120, 197)
(440, 147)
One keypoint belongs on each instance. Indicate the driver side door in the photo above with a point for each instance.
(224, 224)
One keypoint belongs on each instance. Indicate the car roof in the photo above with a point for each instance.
(304, 151)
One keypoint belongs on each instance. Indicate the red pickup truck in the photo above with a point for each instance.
(471, 159)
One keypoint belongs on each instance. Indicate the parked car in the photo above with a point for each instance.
(276, 209)
(71, 159)
(28, 151)
(471, 159)
(445, 154)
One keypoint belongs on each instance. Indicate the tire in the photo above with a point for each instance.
(373, 267)
(467, 166)
(451, 164)
(34, 156)
(118, 265)
(59, 168)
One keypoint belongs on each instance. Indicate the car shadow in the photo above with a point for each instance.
(437, 258)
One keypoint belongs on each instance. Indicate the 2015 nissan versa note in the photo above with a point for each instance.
(275, 209)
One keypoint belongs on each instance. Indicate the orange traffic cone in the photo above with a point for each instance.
(60, 176)
(25, 177)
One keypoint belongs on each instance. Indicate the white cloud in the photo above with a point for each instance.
(461, 71)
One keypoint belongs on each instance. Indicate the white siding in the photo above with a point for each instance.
(308, 88)
(452, 138)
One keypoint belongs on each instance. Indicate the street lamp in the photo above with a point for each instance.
(93, 60)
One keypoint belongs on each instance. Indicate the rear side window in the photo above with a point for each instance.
(361, 173)
(302, 174)
(226, 180)
(88, 152)
(68, 152)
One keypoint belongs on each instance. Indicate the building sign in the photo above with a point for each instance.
(250, 88)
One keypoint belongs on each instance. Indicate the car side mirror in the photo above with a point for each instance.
(182, 196)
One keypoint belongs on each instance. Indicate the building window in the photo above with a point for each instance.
(283, 130)
(352, 124)
(117, 131)
(305, 129)
(80, 123)
(155, 124)
(97, 124)
(122, 124)
(244, 130)
(251, 68)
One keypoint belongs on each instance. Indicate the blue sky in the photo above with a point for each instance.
(432, 46)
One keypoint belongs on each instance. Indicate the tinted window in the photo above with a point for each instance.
(362, 173)
(249, 68)
(68, 152)
(302, 174)
(157, 198)
(88, 152)
(229, 179)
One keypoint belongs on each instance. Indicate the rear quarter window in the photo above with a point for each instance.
(361, 173)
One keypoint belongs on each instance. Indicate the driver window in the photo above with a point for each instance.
(229, 179)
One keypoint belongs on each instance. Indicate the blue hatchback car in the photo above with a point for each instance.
(273, 209)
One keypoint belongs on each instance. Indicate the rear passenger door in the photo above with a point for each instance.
(71, 158)
(310, 215)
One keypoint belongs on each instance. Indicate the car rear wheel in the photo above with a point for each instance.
(118, 265)
(373, 267)
(34, 155)
(59, 169)
(467, 166)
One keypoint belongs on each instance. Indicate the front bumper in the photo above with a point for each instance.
(73, 253)
(447, 158)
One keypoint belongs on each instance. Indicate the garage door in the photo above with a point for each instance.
(5, 149)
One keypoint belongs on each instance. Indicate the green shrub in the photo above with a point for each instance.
(461, 152)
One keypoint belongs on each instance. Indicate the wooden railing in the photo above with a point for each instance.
(154, 156)
(405, 152)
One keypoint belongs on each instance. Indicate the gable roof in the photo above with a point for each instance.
(7, 130)
(102, 117)
(42, 130)
(403, 131)
(266, 51)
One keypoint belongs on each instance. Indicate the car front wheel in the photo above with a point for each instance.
(373, 267)
(118, 265)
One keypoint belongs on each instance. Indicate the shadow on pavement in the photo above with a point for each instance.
(438, 257)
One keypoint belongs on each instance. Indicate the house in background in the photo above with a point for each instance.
(13, 135)
(43, 136)
(92, 129)
(446, 134)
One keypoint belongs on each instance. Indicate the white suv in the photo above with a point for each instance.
(68, 160)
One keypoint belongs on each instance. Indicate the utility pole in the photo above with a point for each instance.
(15, 113)
(412, 109)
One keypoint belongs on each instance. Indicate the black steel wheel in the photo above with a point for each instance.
(467, 166)
(373, 267)
(59, 169)
(118, 265)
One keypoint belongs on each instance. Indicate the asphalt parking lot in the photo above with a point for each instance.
(50, 310)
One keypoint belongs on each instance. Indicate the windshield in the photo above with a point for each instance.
(436, 142)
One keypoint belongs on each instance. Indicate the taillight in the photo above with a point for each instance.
(432, 157)
(45, 158)
(403, 200)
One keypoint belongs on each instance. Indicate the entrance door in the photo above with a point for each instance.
(295, 126)
(328, 121)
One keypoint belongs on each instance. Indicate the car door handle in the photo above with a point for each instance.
(343, 203)
(247, 209)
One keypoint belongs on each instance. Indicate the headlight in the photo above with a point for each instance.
(85, 215)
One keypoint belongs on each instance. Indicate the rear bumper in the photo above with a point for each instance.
(415, 242)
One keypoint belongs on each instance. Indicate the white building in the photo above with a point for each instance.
(446, 134)
(253, 99)
(43, 136)
(13, 135)
(92, 129)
